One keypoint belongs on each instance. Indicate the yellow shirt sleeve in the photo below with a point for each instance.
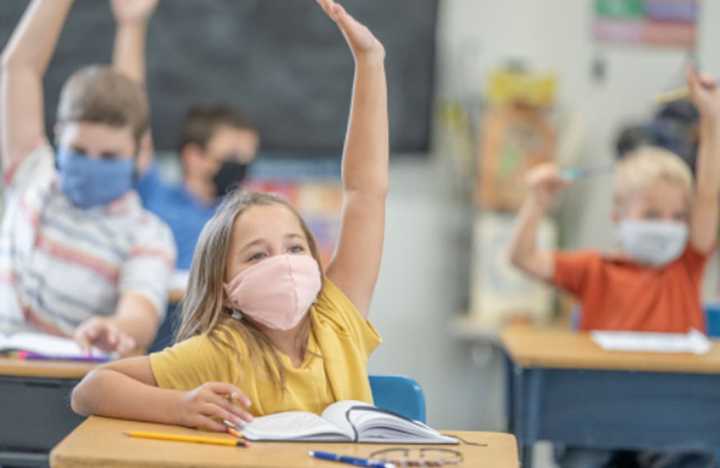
(336, 307)
(191, 363)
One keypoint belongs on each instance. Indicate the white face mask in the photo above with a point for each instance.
(654, 243)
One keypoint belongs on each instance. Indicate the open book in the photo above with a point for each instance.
(344, 421)
(46, 346)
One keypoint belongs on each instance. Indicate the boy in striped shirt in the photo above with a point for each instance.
(79, 256)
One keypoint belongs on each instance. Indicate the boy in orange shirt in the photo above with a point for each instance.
(666, 230)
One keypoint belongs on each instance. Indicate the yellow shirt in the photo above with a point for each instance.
(334, 368)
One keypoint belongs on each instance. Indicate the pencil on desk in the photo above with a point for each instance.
(187, 438)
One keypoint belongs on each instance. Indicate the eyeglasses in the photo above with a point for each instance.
(418, 457)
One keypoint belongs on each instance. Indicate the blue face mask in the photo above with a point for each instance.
(93, 182)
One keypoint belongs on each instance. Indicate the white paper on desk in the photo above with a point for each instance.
(48, 345)
(693, 342)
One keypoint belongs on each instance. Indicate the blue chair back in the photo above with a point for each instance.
(712, 318)
(399, 394)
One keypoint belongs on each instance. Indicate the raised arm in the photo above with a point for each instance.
(356, 263)
(132, 18)
(129, 54)
(24, 62)
(544, 182)
(706, 200)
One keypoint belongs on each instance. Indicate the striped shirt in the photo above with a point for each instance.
(60, 265)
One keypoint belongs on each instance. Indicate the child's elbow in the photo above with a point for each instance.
(79, 395)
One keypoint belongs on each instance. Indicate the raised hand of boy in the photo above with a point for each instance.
(544, 182)
(706, 200)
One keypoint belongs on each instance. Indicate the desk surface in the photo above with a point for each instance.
(101, 442)
(562, 348)
(44, 369)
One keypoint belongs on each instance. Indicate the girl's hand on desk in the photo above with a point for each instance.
(209, 404)
(103, 334)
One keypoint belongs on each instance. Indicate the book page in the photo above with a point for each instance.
(693, 342)
(49, 345)
(292, 425)
(376, 425)
(337, 415)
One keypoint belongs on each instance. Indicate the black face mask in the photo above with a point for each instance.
(230, 176)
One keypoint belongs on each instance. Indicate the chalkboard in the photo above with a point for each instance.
(281, 62)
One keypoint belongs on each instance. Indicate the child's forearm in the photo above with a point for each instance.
(33, 42)
(106, 392)
(708, 162)
(129, 50)
(524, 252)
(366, 152)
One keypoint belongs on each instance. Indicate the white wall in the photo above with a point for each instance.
(423, 281)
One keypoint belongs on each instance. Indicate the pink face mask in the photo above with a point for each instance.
(278, 291)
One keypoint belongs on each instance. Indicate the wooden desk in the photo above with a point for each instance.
(564, 388)
(35, 409)
(101, 442)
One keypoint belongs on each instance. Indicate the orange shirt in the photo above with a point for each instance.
(620, 295)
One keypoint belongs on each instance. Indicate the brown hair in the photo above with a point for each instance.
(204, 310)
(99, 94)
(202, 121)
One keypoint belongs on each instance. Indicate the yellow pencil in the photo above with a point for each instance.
(186, 438)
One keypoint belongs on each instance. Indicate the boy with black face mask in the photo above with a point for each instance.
(217, 145)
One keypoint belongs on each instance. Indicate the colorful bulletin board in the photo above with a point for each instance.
(663, 23)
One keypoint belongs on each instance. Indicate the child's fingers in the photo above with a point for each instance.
(216, 412)
(228, 390)
(225, 404)
(82, 340)
(126, 344)
(327, 6)
(207, 423)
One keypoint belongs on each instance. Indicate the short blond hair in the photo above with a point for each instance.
(99, 94)
(647, 165)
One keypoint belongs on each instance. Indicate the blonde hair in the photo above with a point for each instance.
(647, 165)
(204, 310)
(99, 94)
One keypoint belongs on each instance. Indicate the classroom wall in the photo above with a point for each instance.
(423, 281)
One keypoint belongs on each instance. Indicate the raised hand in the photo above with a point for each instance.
(133, 11)
(545, 182)
(360, 39)
(704, 93)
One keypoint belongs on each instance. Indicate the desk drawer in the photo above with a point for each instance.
(35, 413)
